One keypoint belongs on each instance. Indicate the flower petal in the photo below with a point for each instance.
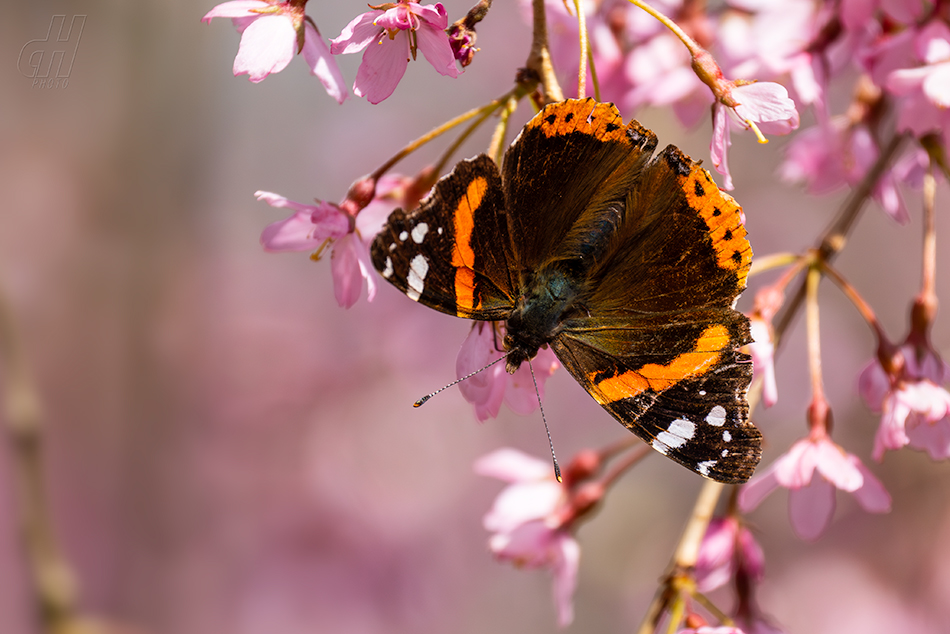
(356, 35)
(512, 465)
(719, 145)
(435, 46)
(758, 488)
(267, 46)
(871, 495)
(384, 64)
(811, 508)
(566, 563)
(322, 64)
(236, 9)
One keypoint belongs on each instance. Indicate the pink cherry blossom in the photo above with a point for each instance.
(307, 229)
(526, 525)
(488, 389)
(925, 89)
(811, 499)
(272, 32)
(726, 546)
(709, 629)
(915, 409)
(761, 106)
(762, 350)
(395, 34)
(837, 153)
(312, 226)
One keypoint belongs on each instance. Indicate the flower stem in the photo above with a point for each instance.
(54, 584)
(585, 50)
(484, 111)
(539, 58)
(812, 280)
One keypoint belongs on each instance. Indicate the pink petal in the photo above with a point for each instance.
(873, 385)
(763, 102)
(934, 438)
(322, 64)
(236, 9)
(714, 564)
(837, 466)
(346, 270)
(758, 488)
(890, 433)
(872, 496)
(719, 145)
(485, 389)
(524, 502)
(528, 544)
(937, 85)
(296, 233)
(267, 46)
(753, 557)
(566, 565)
(810, 508)
(434, 44)
(434, 15)
(932, 43)
(512, 465)
(796, 468)
(384, 64)
(356, 35)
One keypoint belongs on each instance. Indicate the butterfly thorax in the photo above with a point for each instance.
(538, 315)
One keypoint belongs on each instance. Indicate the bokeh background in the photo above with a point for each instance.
(227, 450)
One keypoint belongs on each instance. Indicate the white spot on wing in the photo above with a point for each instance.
(702, 392)
(403, 235)
(682, 428)
(659, 446)
(726, 435)
(717, 416)
(440, 231)
(417, 275)
(392, 247)
(670, 440)
(725, 452)
(704, 467)
(419, 232)
(388, 271)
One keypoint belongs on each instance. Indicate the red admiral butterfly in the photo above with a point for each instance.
(625, 264)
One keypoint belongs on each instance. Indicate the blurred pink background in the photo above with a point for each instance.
(229, 451)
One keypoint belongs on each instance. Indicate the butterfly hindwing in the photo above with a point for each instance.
(680, 386)
(451, 253)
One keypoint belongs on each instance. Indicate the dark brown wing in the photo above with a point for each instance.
(452, 253)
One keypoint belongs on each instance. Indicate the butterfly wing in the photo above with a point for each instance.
(569, 164)
(657, 342)
(452, 252)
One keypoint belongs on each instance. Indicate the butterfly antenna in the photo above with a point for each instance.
(537, 392)
(425, 398)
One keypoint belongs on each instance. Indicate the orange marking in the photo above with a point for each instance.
(723, 217)
(658, 377)
(463, 257)
(581, 115)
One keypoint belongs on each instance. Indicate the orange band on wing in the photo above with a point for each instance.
(463, 257)
(658, 377)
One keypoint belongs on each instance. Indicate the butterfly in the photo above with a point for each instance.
(627, 265)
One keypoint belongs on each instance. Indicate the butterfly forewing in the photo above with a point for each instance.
(451, 253)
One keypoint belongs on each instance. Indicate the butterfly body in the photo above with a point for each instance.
(625, 264)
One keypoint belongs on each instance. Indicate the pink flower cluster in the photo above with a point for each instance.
(914, 405)
(801, 44)
(273, 31)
